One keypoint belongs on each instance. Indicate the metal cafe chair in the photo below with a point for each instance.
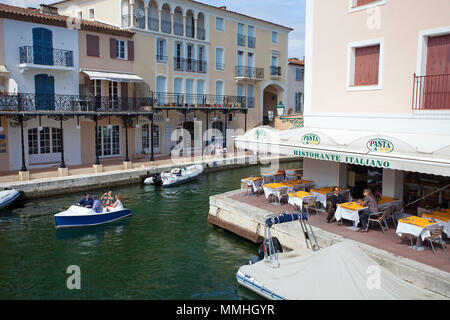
(246, 187)
(310, 203)
(257, 186)
(268, 179)
(298, 187)
(379, 217)
(280, 194)
(436, 235)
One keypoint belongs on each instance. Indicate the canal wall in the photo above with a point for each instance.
(248, 221)
(60, 185)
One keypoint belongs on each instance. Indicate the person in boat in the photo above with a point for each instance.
(335, 199)
(117, 205)
(370, 202)
(87, 201)
(97, 207)
(107, 199)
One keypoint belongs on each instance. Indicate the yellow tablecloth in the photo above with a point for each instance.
(443, 216)
(283, 184)
(350, 206)
(254, 178)
(323, 191)
(300, 194)
(417, 221)
(385, 199)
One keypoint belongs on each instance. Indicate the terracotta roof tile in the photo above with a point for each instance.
(34, 15)
(296, 61)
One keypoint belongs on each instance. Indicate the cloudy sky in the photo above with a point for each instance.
(289, 13)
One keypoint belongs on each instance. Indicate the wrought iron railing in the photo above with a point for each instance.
(275, 71)
(250, 102)
(178, 28)
(220, 66)
(161, 58)
(431, 92)
(139, 22)
(190, 31)
(28, 102)
(46, 56)
(201, 33)
(166, 26)
(126, 21)
(249, 72)
(153, 24)
(240, 39)
(189, 65)
(167, 100)
(251, 41)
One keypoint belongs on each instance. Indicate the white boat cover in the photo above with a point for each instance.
(339, 272)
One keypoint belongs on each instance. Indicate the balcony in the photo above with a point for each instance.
(161, 58)
(190, 31)
(251, 41)
(166, 26)
(250, 102)
(189, 65)
(178, 28)
(201, 33)
(30, 102)
(249, 73)
(126, 22)
(45, 58)
(275, 71)
(153, 24)
(220, 66)
(431, 92)
(166, 100)
(240, 39)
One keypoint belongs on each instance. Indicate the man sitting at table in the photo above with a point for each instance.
(371, 202)
(335, 199)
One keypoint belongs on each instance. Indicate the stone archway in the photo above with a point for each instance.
(272, 93)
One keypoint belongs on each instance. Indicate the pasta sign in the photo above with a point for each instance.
(380, 145)
(310, 139)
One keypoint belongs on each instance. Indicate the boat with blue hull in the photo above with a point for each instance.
(77, 216)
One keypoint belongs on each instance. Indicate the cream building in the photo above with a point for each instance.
(206, 66)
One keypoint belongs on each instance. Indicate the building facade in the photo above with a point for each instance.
(296, 85)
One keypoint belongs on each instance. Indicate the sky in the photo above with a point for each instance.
(288, 13)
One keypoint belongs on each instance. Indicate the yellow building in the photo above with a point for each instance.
(201, 63)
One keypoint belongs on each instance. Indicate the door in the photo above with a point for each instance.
(42, 46)
(177, 87)
(219, 93)
(44, 86)
(190, 63)
(250, 65)
(178, 52)
(200, 92)
(240, 63)
(189, 91)
(160, 90)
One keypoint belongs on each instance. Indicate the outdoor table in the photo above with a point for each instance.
(249, 181)
(322, 194)
(416, 226)
(270, 187)
(297, 198)
(278, 177)
(349, 211)
(293, 173)
(387, 202)
(443, 217)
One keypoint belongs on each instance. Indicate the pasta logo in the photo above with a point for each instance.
(310, 139)
(260, 134)
(380, 145)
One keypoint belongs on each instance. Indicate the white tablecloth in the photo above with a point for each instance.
(417, 231)
(324, 197)
(343, 213)
(268, 191)
(446, 226)
(297, 201)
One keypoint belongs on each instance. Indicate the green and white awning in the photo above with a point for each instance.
(408, 152)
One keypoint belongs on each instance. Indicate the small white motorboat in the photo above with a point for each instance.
(7, 197)
(175, 176)
(77, 216)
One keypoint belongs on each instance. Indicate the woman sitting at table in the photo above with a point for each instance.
(335, 199)
(370, 202)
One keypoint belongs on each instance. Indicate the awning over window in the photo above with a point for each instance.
(113, 76)
(408, 152)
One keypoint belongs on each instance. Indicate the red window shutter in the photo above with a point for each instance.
(92, 45)
(363, 2)
(124, 89)
(112, 48)
(438, 55)
(367, 61)
(130, 50)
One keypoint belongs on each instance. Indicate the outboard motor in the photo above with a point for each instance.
(260, 256)
(157, 179)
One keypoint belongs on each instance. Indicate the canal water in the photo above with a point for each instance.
(166, 250)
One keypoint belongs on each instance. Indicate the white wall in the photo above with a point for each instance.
(18, 34)
(393, 183)
(325, 173)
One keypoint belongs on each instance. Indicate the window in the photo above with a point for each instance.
(274, 37)
(114, 93)
(92, 45)
(358, 5)
(46, 141)
(365, 65)
(97, 87)
(161, 50)
(91, 13)
(108, 140)
(220, 65)
(219, 24)
(146, 136)
(121, 49)
(297, 74)
(219, 92)
(250, 96)
(298, 102)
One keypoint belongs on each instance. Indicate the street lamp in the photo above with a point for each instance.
(280, 109)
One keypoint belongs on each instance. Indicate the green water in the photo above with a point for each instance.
(166, 250)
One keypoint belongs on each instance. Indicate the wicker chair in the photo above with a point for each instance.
(379, 217)
(246, 187)
(436, 235)
(310, 203)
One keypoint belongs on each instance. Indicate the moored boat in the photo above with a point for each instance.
(7, 197)
(175, 176)
(77, 216)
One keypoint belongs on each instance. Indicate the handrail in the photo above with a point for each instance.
(423, 197)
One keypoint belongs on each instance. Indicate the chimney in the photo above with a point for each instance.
(46, 9)
(223, 7)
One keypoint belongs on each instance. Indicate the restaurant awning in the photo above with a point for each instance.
(408, 152)
(112, 76)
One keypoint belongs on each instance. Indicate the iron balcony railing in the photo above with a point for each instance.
(161, 58)
(46, 56)
(251, 41)
(28, 102)
(189, 65)
(431, 92)
(166, 26)
(250, 102)
(249, 72)
(240, 39)
(201, 33)
(139, 22)
(190, 31)
(153, 24)
(275, 71)
(220, 66)
(178, 28)
(183, 100)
